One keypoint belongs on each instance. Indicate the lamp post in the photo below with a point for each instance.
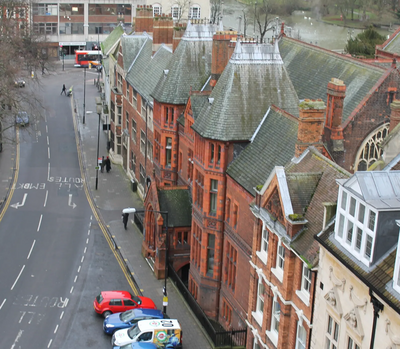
(84, 94)
(98, 47)
(98, 107)
(165, 295)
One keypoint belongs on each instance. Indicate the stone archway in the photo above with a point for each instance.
(370, 150)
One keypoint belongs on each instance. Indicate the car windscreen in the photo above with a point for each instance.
(136, 299)
(126, 315)
(133, 331)
(99, 298)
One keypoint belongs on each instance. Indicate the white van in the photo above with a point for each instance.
(165, 333)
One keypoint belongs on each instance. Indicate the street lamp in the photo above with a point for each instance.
(84, 94)
(133, 210)
(98, 109)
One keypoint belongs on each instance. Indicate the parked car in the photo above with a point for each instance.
(19, 82)
(166, 334)
(22, 118)
(108, 302)
(129, 318)
(138, 345)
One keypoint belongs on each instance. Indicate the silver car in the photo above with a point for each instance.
(22, 118)
(19, 82)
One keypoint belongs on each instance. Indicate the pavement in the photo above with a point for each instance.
(113, 193)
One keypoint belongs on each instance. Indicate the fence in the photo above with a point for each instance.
(233, 338)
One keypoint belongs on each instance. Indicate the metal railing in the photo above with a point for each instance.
(232, 338)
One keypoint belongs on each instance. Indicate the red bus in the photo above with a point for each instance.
(84, 57)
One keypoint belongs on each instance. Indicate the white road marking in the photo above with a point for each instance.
(55, 330)
(45, 199)
(72, 289)
(40, 222)
(87, 240)
(20, 204)
(70, 203)
(48, 152)
(83, 257)
(47, 140)
(47, 129)
(29, 254)
(84, 251)
(62, 314)
(76, 278)
(17, 338)
(48, 345)
(79, 269)
(23, 267)
(48, 171)
(22, 316)
(1, 306)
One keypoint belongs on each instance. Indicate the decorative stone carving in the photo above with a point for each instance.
(335, 280)
(332, 298)
(395, 339)
(353, 320)
(357, 301)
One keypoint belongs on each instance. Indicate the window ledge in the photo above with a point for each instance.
(278, 272)
(258, 317)
(273, 336)
(262, 257)
(304, 296)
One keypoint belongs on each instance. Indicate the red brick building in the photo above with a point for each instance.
(290, 208)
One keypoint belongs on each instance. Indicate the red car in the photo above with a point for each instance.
(108, 302)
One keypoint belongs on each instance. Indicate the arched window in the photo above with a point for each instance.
(194, 12)
(176, 12)
(157, 10)
(370, 150)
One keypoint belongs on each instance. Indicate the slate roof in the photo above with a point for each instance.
(111, 39)
(190, 66)
(311, 68)
(178, 204)
(131, 46)
(145, 69)
(273, 145)
(198, 102)
(393, 43)
(253, 80)
(378, 279)
(320, 174)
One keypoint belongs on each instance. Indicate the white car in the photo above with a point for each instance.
(22, 118)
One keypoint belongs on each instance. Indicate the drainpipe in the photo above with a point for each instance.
(378, 306)
(312, 308)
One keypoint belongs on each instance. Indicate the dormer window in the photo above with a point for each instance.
(355, 226)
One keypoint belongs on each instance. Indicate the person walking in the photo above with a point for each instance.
(125, 219)
(107, 164)
(64, 89)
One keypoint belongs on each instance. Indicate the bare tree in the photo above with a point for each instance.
(21, 59)
(215, 11)
(179, 8)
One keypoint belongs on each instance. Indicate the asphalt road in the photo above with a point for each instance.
(53, 255)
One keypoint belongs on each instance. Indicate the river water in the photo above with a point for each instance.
(301, 25)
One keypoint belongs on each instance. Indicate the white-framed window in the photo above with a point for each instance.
(134, 131)
(301, 336)
(176, 12)
(142, 141)
(258, 314)
(168, 152)
(150, 150)
(355, 226)
(263, 253)
(157, 10)
(280, 261)
(351, 344)
(213, 196)
(304, 292)
(331, 334)
(194, 12)
(273, 333)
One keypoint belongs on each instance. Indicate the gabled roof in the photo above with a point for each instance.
(311, 68)
(190, 66)
(393, 43)
(109, 43)
(145, 69)
(197, 103)
(131, 46)
(318, 174)
(273, 145)
(254, 79)
(380, 189)
(177, 203)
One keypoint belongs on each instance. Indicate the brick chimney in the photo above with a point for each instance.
(144, 19)
(334, 114)
(163, 30)
(311, 125)
(222, 50)
(394, 114)
(179, 30)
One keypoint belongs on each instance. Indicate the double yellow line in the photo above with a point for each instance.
(102, 226)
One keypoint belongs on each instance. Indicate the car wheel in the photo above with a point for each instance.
(107, 313)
